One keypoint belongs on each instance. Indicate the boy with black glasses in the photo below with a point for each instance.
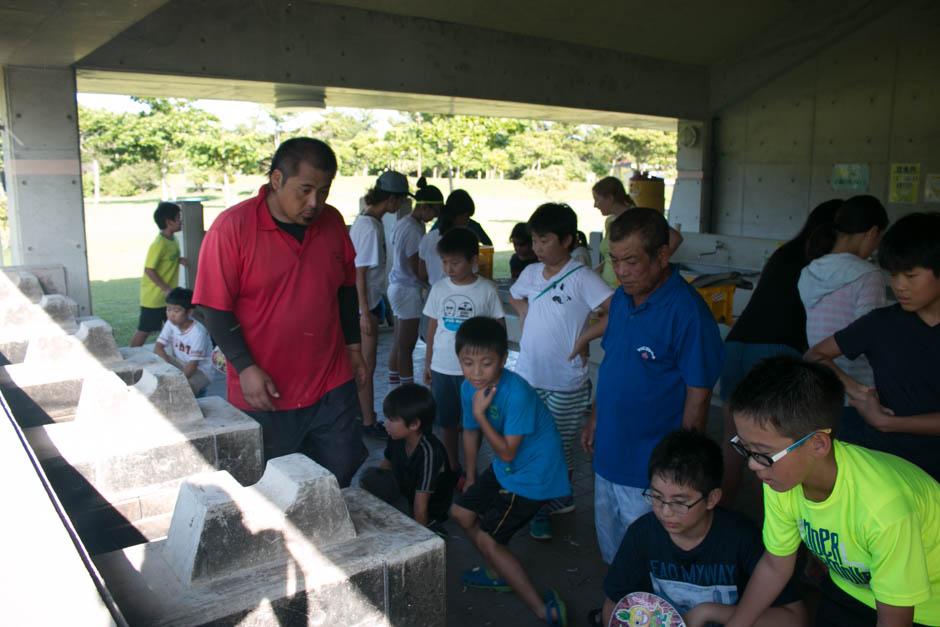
(697, 556)
(871, 517)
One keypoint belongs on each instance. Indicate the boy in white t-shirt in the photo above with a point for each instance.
(554, 299)
(459, 296)
(368, 237)
(184, 342)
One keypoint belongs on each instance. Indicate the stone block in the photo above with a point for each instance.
(215, 523)
(26, 283)
(160, 393)
(391, 572)
(92, 341)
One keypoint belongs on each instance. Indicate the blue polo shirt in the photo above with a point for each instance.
(538, 471)
(651, 353)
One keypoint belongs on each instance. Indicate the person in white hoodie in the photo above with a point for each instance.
(840, 285)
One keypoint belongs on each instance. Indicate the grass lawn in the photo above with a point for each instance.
(119, 231)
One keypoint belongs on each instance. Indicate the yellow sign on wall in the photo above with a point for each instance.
(905, 179)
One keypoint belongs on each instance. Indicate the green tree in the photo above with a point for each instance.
(243, 150)
(649, 149)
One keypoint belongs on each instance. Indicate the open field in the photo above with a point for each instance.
(119, 231)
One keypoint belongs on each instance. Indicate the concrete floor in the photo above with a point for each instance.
(570, 562)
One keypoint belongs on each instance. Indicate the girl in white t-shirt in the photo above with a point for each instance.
(405, 282)
(368, 237)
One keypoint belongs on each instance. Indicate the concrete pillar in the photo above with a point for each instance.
(39, 117)
(691, 199)
(191, 239)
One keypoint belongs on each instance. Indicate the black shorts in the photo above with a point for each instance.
(151, 319)
(501, 512)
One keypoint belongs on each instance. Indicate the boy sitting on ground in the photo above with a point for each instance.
(871, 517)
(529, 467)
(901, 412)
(184, 342)
(459, 296)
(414, 474)
(688, 550)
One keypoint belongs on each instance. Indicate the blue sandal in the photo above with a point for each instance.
(554, 602)
(485, 580)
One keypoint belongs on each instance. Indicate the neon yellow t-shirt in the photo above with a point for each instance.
(608, 272)
(879, 530)
(164, 257)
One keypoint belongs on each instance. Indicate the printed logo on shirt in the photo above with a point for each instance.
(456, 310)
(561, 297)
(646, 352)
(825, 544)
(492, 414)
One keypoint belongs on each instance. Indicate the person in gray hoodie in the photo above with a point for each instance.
(839, 285)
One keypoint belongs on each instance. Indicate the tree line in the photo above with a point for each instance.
(137, 151)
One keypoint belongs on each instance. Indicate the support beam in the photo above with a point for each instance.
(333, 47)
(691, 199)
(43, 173)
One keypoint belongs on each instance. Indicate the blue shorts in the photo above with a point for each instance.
(741, 357)
(446, 391)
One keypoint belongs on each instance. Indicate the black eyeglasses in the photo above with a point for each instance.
(768, 460)
(680, 509)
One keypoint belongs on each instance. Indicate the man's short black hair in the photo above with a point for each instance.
(180, 296)
(648, 224)
(557, 218)
(521, 232)
(912, 242)
(291, 153)
(412, 403)
(482, 334)
(459, 241)
(165, 211)
(793, 396)
(688, 458)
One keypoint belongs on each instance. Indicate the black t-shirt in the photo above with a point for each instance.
(425, 470)
(715, 571)
(903, 352)
(775, 313)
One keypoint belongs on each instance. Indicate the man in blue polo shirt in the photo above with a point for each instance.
(662, 356)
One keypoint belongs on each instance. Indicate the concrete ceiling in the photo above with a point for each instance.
(50, 32)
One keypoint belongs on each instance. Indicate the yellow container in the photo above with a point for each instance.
(651, 194)
(485, 263)
(720, 300)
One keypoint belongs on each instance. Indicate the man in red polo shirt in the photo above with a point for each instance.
(277, 282)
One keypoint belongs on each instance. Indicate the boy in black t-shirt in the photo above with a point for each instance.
(692, 553)
(415, 468)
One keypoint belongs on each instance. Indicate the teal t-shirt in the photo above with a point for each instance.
(538, 471)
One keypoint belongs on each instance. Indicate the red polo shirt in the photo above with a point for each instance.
(284, 295)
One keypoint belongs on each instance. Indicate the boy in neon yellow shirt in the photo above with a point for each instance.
(161, 272)
(873, 518)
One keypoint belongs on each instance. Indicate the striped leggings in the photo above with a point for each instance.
(568, 409)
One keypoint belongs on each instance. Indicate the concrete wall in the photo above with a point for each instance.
(871, 98)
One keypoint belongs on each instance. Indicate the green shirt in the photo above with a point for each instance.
(879, 530)
(163, 257)
(608, 272)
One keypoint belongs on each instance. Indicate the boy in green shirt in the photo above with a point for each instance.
(161, 272)
(871, 517)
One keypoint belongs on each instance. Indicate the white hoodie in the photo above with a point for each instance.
(836, 290)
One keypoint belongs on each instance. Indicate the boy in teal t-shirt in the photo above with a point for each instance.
(873, 518)
(528, 470)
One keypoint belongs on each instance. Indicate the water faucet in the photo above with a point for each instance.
(718, 246)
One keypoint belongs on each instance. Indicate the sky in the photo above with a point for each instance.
(230, 112)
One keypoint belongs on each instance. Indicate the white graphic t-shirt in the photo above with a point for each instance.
(452, 305)
(194, 343)
(368, 238)
(558, 312)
